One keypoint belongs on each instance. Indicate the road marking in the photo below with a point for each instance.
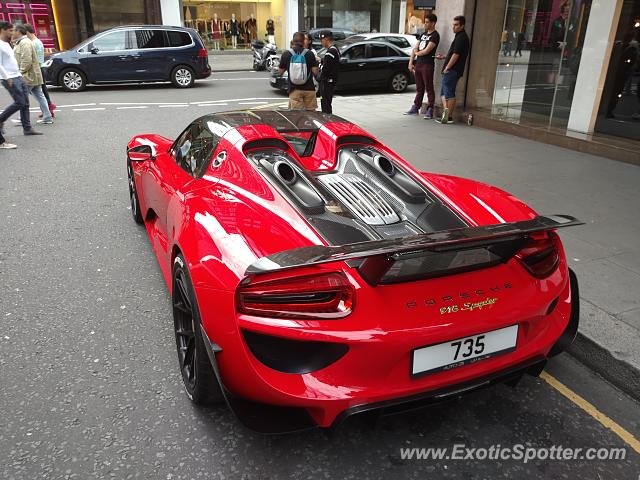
(212, 104)
(131, 107)
(237, 100)
(76, 105)
(251, 103)
(173, 106)
(272, 105)
(625, 435)
(142, 103)
(88, 109)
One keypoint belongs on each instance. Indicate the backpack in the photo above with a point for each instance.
(298, 73)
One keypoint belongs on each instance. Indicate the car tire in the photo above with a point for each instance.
(133, 195)
(72, 80)
(198, 376)
(183, 77)
(399, 82)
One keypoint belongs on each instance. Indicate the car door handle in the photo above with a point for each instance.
(393, 60)
(361, 64)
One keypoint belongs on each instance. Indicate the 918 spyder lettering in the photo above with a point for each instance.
(467, 306)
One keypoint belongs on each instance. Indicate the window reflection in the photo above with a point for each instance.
(540, 50)
(619, 112)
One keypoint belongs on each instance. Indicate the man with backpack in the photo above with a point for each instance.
(302, 67)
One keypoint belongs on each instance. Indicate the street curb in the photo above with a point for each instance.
(616, 371)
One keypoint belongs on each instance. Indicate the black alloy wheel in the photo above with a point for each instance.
(199, 379)
(133, 195)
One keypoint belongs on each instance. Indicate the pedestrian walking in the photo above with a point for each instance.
(302, 67)
(37, 43)
(29, 65)
(330, 71)
(423, 67)
(520, 44)
(453, 68)
(14, 83)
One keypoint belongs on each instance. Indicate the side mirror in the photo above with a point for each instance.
(344, 60)
(140, 153)
(94, 50)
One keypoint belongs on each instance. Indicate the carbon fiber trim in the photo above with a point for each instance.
(448, 240)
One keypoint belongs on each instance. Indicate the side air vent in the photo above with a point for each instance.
(360, 198)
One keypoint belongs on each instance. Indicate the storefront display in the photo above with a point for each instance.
(229, 24)
(619, 112)
(540, 53)
(354, 15)
(40, 15)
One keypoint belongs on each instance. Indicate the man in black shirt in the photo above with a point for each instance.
(302, 96)
(453, 68)
(424, 65)
(330, 70)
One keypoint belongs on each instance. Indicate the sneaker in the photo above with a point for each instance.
(429, 114)
(445, 117)
(48, 121)
(412, 111)
(32, 132)
(8, 146)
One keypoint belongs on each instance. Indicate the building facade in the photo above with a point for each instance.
(567, 66)
(62, 24)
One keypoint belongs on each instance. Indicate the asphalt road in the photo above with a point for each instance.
(89, 384)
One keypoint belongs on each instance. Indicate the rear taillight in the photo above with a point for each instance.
(324, 296)
(540, 254)
(202, 53)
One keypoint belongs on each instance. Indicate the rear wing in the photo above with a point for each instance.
(449, 251)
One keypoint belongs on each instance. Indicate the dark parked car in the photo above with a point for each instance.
(364, 64)
(338, 34)
(131, 54)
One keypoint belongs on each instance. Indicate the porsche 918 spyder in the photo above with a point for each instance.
(315, 274)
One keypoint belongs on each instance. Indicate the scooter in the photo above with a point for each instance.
(264, 55)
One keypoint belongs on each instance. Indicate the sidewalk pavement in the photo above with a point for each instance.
(603, 193)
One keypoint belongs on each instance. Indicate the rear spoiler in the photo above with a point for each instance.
(377, 256)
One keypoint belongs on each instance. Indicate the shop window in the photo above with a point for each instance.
(619, 112)
(540, 51)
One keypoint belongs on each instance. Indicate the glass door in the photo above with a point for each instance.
(540, 47)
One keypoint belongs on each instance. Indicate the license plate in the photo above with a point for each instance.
(463, 351)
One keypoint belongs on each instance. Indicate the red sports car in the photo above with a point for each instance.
(315, 274)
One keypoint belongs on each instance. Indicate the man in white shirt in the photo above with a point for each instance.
(14, 83)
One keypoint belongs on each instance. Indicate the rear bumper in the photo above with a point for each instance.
(203, 73)
(374, 374)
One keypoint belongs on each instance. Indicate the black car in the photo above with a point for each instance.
(338, 34)
(131, 54)
(364, 64)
